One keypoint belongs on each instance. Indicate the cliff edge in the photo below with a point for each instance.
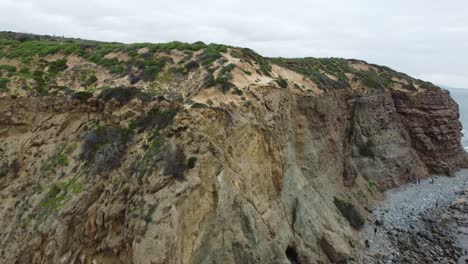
(195, 153)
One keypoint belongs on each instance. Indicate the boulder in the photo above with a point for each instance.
(336, 248)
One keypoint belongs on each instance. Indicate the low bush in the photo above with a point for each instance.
(148, 163)
(264, 64)
(157, 119)
(281, 82)
(4, 84)
(4, 169)
(237, 91)
(82, 95)
(198, 105)
(123, 95)
(92, 79)
(212, 53)
(104, 148)
(8, 68)
(350, 212)
(191, 65)
(57, 66)
(60, 157)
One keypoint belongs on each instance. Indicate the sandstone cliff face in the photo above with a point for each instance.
(264, 181)
(278, 174)
(432, 121)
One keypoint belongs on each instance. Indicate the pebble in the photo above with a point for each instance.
(411, 216)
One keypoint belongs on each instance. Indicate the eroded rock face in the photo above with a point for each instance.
(260, 187)
(431, 119)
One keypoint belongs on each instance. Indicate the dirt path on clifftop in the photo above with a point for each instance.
(413, 224)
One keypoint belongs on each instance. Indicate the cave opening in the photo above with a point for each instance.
(291, 254)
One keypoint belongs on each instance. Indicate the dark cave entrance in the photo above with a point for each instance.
(291, 254)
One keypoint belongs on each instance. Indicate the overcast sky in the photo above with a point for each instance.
(427, 39)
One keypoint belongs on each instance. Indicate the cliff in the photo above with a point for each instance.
(195, 153)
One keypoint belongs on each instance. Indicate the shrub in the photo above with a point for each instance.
(58, 66)
(264, 64)
(212, 53)
(4, 169)
(157, 119)
(281, 82)
(151, 67)
(209, 80)
(133, 79)
(92, 79)
(148, 162)
(123, 95)
(8, 68)
(191, 65)
(150, 73)
(237, 91)
(4, 84)
(350, 212)
(318, 70)
(82, 95)
(370, 79)
(198, 105)
(104, 148)
(60, 157)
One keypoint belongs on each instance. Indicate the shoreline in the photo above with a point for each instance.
(418, 223)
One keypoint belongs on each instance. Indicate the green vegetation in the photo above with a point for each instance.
(151, 63)
(60, 158)
(4, 84)
(157, 119)
(4, 169)
(82, 95)
(57, 66)
(57, 195)
(250, 55)
(319, 70)
(198, 105)
(104, 147)
(212, 53)
(237, 91)
(222, 80)
(91, 80)
(148, 163)
(123, 95)
(350, 212)
(7, 68)
(149, 215)
(282, 82)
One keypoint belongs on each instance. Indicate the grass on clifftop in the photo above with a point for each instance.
(40, 61)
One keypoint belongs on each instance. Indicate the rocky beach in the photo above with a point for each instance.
(422, 222)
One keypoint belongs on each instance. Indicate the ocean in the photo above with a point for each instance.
(461, 96)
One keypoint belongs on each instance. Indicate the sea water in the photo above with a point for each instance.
(461, 97)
